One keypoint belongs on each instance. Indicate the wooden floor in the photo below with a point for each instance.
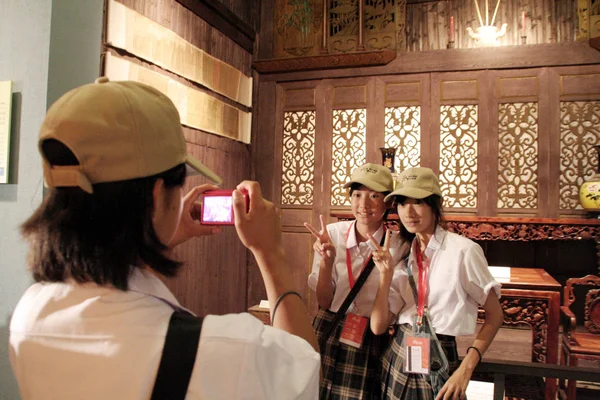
(509, 344)
(514, 344)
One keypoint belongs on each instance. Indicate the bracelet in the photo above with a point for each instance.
(279, 301)
(477, 350)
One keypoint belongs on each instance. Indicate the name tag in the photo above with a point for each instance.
(353, 331)
(416, 354)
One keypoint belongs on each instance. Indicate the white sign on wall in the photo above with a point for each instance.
(5, 113)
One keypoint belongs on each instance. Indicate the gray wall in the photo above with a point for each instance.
(46, 48)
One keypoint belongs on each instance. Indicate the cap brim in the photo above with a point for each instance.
(195, 167)
(413, 193)
(370, 184)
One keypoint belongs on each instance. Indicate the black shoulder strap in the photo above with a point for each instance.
(362, 278)
(178, 357)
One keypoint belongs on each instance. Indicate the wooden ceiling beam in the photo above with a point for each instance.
(220, 17)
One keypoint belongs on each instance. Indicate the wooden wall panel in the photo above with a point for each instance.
(525, 86)
(580, 84)
(459, 90)
(298, 251)
(295, 218)
(350, 96)
(214, 278)
(403, 92)
(303, 98)
(246, 10)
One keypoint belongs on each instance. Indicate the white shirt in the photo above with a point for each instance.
(360, 254)
(459, 282)
(84, 341)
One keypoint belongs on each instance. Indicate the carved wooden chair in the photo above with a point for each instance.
(577, 343)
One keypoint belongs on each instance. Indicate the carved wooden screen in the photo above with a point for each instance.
(579, 130)
(456, 108)
(348, 150)
(518, 156)
(521, 143)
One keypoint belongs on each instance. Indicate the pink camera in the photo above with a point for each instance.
(217, 207)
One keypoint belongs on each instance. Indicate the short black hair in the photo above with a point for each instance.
(434, 201)
(98, 237)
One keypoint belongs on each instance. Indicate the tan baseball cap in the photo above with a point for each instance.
(118, 131)
(374, 176)
(416, 183)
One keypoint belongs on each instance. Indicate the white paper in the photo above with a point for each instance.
(264, 304)
(501, 274)
(477, 390)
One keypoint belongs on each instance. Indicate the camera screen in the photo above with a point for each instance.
(217, 209)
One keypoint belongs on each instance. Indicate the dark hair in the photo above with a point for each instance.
(434, 201)
(97, 237)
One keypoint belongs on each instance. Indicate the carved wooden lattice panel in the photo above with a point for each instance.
(518, 156)
(579, 131)
(458, 155)
(348, 150)
(403, 132)
(298, 158)
(382, 21)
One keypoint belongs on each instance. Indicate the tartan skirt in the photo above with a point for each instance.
(398, 385)
(349, 373)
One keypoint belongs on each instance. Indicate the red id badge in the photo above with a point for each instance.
(353, 331)
(416, 354)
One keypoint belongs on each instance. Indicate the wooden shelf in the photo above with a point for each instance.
(326, 61)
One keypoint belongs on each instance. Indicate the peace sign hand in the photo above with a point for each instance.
(322, 245)
(381, 255)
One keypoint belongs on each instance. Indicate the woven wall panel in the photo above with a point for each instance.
(138, 35)
(197, 109)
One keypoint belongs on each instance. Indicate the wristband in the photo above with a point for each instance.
(279, 301)
(477, 350)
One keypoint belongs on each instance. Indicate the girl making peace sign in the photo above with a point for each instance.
(350, 353)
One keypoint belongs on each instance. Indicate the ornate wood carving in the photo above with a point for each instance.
(525, 231)
(362, 59)
(592, 311)
(531, 312)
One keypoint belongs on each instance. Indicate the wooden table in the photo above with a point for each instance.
(532, 297)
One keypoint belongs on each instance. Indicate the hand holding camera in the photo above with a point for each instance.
(189, 226)
(259, 226)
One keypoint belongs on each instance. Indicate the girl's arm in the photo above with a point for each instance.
(381, 316)
(460, 378)
(325, 287)
(326, 251)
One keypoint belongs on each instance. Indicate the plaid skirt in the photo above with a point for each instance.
(349, 373)
(397, 385)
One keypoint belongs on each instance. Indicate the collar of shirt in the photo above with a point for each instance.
(353, 242)
(436, 241)
(145, 282)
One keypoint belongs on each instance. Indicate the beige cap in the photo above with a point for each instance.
(374, 176)
(118, 131)
(416, 183)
